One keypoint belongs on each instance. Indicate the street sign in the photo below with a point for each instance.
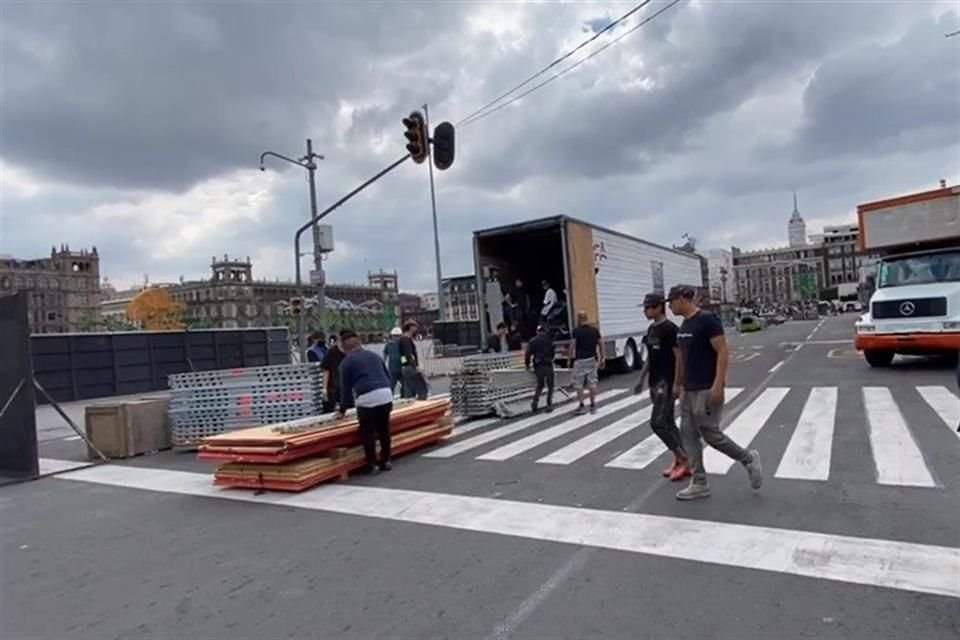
(316, 278)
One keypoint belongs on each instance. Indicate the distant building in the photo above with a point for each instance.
(232, 298)
(841, 254)
(63, 291)
(796, 227)
(780, 275)
(460, 299)
(430, 301)
(383, 280)
(723, 282)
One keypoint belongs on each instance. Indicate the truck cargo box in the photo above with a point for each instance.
(906, 222)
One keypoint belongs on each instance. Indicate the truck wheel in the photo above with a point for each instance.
(876, 358)
(630, 359)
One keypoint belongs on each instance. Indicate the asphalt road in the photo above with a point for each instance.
(549, 528)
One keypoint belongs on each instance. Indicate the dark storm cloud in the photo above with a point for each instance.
(163, 95)
(886, 98)
(702, 61)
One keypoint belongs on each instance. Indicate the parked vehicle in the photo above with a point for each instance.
(915, 308)
(601, 272)
(749, 323)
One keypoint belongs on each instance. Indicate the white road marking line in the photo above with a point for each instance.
(895, 452)
(462, 428)
(517, 447)
(775, 367)
(448, 451)
(808, 454)
(866, 561)
(745, 428)
(51, 466)
(945, 404)
(71, 438)
(593, 441)
(651, 447)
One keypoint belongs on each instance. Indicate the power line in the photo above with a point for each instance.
(558, 60)
(648, 19)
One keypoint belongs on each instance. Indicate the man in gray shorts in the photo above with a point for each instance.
(587, 359)
(700, 379)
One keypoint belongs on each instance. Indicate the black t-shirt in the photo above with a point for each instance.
(699, 357)
(408, 352)
(661, 340)
(587, 338)
(331, 364)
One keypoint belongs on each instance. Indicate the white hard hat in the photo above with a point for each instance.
(396, 331)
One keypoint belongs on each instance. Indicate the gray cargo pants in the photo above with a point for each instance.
(700, 420)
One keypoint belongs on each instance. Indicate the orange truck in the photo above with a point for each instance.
(915, 309)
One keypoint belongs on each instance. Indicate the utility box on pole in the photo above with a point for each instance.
(324, 239)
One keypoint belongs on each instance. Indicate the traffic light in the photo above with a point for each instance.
(416, 134)
(443, 137)
(296, 306)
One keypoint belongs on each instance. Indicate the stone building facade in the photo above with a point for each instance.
(63, 290)
(779, 276)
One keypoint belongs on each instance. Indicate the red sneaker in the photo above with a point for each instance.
(666, 473)
(681, 471)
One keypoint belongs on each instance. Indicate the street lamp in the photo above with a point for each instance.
(307, 162)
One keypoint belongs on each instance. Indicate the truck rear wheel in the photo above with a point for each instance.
(878, 358)
(630, 359)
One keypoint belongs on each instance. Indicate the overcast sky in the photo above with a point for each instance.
(137, 127)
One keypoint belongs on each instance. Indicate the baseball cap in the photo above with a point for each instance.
(652, 300)
(541, 327)
(681, 291)
(396, 331)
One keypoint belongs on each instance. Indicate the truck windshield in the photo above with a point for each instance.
(934, 267)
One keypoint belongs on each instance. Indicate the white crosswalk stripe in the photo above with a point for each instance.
(593, 441)
(945, 404)
(651, 448)
(508, 429)
(895, 452)
(745, 427)
(507, 451)
(808, 455)
(809, 416)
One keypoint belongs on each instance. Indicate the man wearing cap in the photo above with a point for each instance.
(660, 369)
(541, 350)
(700, 379)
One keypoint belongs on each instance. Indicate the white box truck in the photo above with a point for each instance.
(915, 307)
(601, 272)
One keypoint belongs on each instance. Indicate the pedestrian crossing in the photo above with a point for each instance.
(814, 421)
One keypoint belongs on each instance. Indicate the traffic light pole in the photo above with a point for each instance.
(317, 217)
(436, 233)
(307, 162)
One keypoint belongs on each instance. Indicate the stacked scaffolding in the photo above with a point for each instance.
(496, 383)
(206, 403)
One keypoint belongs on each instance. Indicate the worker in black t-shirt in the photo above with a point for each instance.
(412, 383)
(542, 352)
(587, 352)
(660, 370)
(701, 376)
(330, 365)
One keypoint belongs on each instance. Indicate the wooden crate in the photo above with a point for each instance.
(128, 429)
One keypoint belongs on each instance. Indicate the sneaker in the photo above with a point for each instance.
(534, 409)
(666, 472)
(693, 491)
(580, 411)
(754, 469)
(386, 466)
(549, 408)
(369, 470)
(593, 409)
(681, 471)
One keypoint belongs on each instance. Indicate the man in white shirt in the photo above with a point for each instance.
(549, 299)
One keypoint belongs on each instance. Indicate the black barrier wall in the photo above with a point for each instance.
(79, 366)
(18, 427)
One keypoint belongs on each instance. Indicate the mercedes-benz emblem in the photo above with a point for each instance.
(907, 308)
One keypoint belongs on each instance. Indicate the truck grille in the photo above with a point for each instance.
(910, 308)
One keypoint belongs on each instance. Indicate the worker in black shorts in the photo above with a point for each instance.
(660, 370)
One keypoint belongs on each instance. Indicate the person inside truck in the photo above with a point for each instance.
(497, 343)
(549, 300)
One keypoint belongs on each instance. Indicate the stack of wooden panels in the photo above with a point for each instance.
(292, 457)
